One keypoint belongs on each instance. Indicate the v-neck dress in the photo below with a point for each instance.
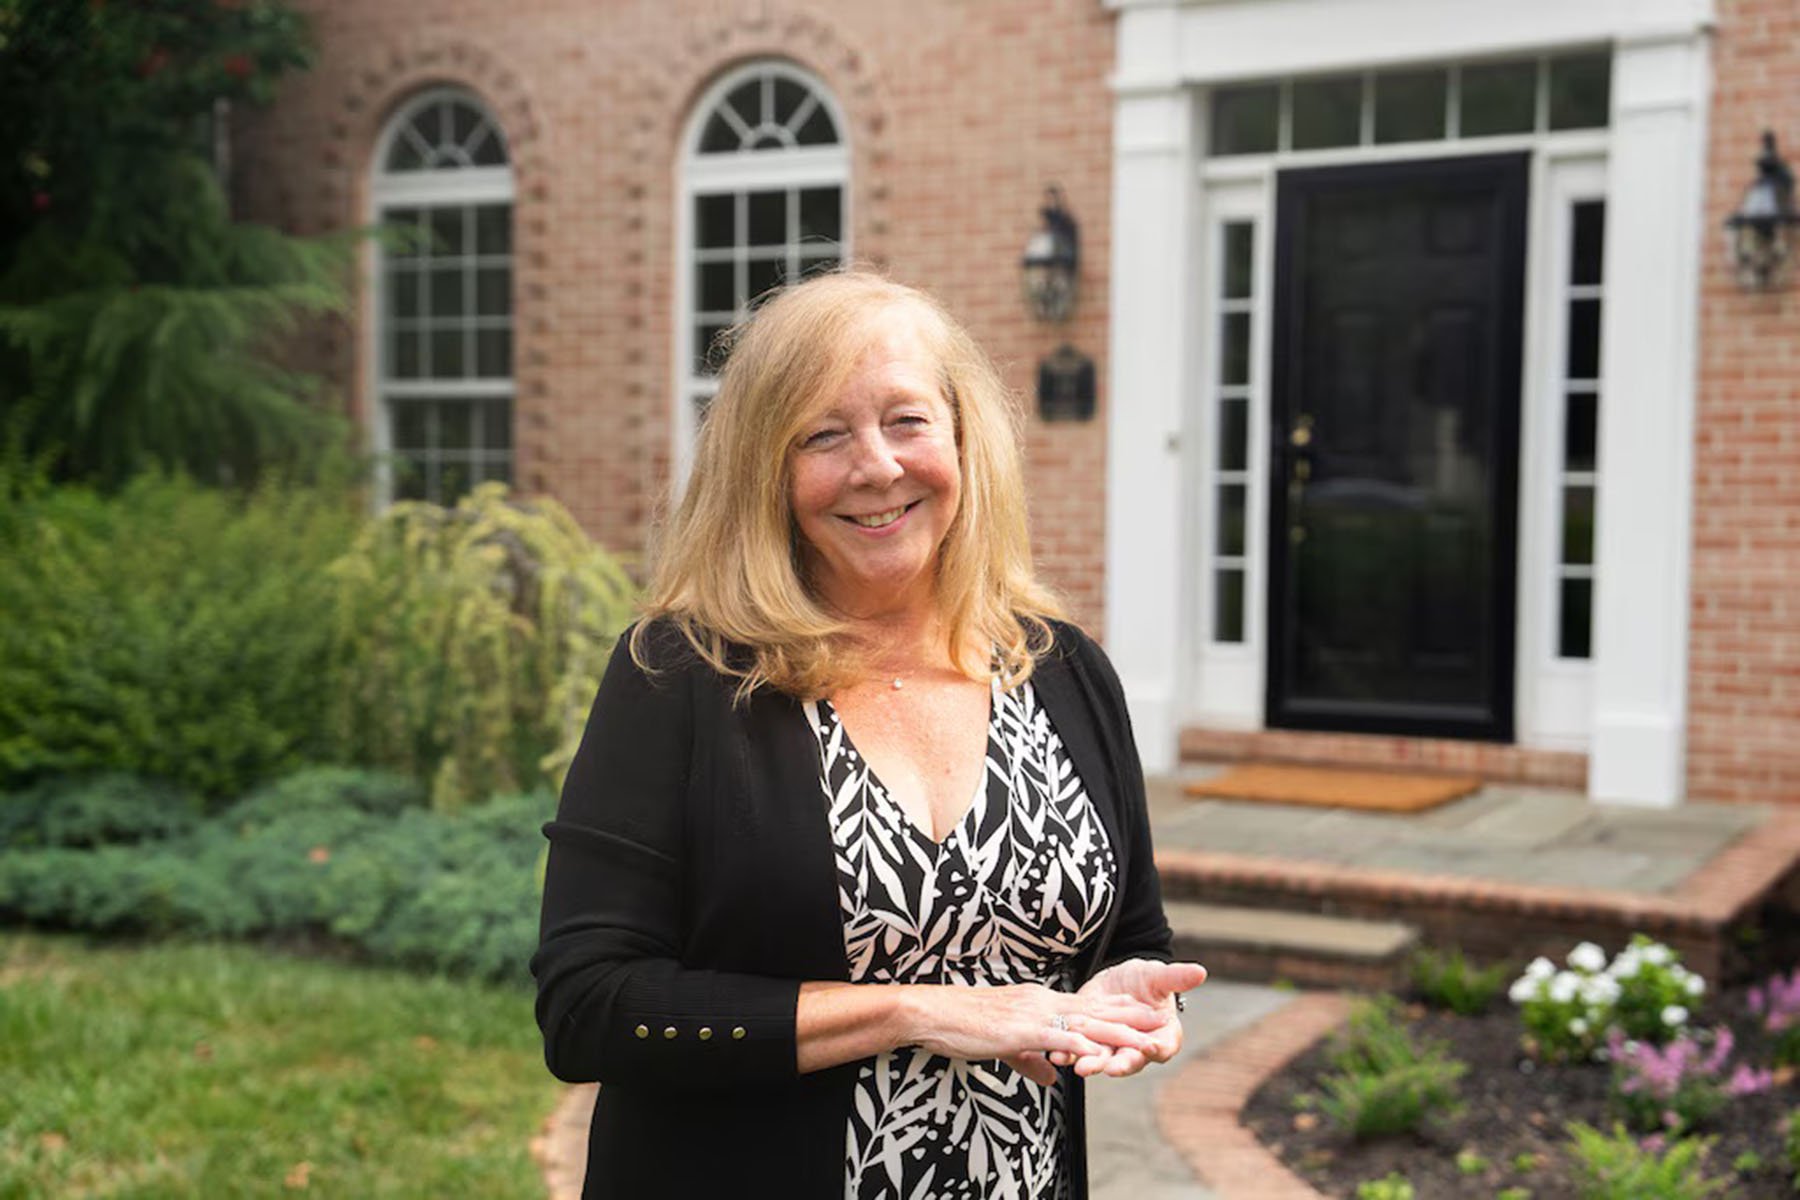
(1025, 878)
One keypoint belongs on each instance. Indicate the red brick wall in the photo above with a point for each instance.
(1744, 673)
(960, 114)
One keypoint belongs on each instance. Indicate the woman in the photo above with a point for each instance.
(851, 885)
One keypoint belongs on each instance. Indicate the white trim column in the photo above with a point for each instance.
(1644, 521)
(1152, 136)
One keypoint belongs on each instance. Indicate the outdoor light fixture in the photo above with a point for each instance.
(1762, 229)
(1051, 259)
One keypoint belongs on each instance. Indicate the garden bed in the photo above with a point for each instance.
(1511, 1129)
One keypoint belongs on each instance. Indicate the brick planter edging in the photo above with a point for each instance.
(1198, 1110)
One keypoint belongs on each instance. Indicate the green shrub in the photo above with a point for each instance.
(1620, 1168)
(1394, 1187)
(1384, 1082)
(1790, 1145)
(1448, 980)
(170, 631)
(327, 852)
(94, 810)
(470, 642)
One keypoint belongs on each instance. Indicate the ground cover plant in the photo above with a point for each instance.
(1705, 1110)
(178, 1070)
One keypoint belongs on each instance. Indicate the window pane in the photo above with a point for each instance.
(768, 219)
(453, 482)
(447, 233)
(761, 276)
(405, 156)
(1584, 339)
(1230, 539)
(404, 222)
(707, 358)
(409, 477)
(1589, 243)
(463, 122)
(1246, 120)
(746, 98)
(1580, 91)
(493, 353)
(1578, 525)
(788, 97)
(493, 229)
(1228, 605)
(821, 215)
(1581, 431)
(402, 291)
(714, 222)
(498, 469)
(1234, 416)
(496, 424)
(1410, 105)
(489, 149)
(1234, 349)
(1327, 112)
(715, 287)
(456, 425)
(493, 291)
(817, 264)
(719, 137)
(819, 130)
(447, 360)
(1576, 619)
(411, 429)
(1238, 245)
(447, 292)
(1498, 98)
(405, 348)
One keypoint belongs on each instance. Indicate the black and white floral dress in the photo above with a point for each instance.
(1011, 894)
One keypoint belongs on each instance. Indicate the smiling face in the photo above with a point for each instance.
(873, 476)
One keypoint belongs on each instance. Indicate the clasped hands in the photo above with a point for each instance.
(1121, 1020)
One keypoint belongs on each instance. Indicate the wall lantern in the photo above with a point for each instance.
(1761, 231)
(1052, 258)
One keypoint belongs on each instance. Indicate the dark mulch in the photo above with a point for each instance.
(1512, 1108)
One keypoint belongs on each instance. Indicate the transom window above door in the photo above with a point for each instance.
(1443, 102)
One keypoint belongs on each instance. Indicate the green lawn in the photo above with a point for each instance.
(208, 1070)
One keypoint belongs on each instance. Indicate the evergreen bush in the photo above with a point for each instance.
(93, 811)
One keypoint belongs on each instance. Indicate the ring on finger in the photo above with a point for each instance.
(1060, 1022)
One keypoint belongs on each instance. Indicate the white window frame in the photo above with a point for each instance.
(750, 170)
(428, 188)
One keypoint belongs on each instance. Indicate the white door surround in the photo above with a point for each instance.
(1627, 705)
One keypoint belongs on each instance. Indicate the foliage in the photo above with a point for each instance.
(1513, 1193)
(94, 810)
(350, 855)
(1776, 1005)
(1469, 1162)
(1678, 1087)
(1393, 1187)
(170, 630)
(1383, 1082)
(1620, 1168)
(214, 1070)
(1450, 981)
(1790, 1145)
(1568, 1014)
(471, 640)
(135, 315)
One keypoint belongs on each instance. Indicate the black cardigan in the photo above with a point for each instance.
(691, 887)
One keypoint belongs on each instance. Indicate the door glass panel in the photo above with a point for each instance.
(1246, 120)
(1327, 112)
(1234, 415)
(1581, 429)
(1578, 525)
(1589, 243)
(1498, 98)
(1231, 520)
(1584, 339)
(1228, 605)
(1238, 247)
(1575, 623)
(1234, 349)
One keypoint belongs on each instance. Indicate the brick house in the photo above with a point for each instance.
(1433, 427)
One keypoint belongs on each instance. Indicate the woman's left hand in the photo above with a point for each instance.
(1153, 983)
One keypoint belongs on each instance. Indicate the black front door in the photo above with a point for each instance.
(1395, 430)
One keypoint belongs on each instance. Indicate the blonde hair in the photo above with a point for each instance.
(729, 574)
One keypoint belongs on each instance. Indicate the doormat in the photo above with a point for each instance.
(1334, 787)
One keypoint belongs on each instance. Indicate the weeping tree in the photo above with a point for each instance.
(138, 320)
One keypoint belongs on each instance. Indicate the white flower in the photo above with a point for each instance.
(1578, 1027)
(1657, 954)
(1588, 957)
(1626, 965)
(1564, 987)
(1674, 1015)
(1523, 990)
(1696, 986)
(1540, 968)
(1600, 990)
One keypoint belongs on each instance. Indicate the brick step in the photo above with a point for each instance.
(1260, 944)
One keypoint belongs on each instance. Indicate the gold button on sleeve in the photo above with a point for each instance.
(669, 1032)
(706, 1033)
(642, 1031)
(737, 1034)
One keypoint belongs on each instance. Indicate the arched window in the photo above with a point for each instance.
(765, 177)
(444, 299)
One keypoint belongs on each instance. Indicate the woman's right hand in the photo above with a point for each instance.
(1018, 1024)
